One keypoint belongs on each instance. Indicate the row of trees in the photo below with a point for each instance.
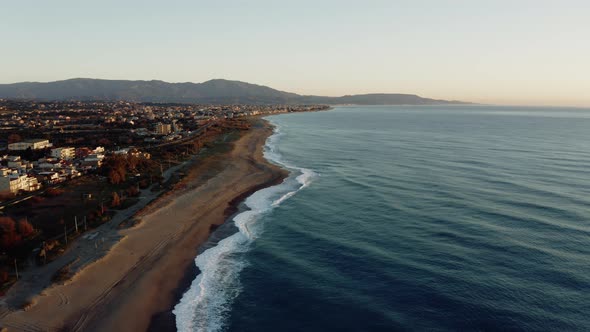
(116, 166)
(12, 233)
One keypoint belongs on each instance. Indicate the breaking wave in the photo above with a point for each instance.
(207, 303)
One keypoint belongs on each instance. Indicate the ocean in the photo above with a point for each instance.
(414, 218)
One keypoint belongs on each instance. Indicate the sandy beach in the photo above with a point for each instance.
(139, 276)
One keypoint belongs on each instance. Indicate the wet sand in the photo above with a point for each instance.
(140, 277)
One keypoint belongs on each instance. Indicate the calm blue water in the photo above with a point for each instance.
(410, 218)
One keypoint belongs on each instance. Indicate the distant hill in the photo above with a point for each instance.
(216, 91)
(379, 99)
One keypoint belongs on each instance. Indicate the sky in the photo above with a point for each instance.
(516, 52)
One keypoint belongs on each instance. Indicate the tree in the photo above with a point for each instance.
(144, 184)
(13, 138)
(122, 172)
(115, 166)
(132, 162)
(114, 177)
(28, 154)
(104, 142)
(6, 195)
(133, 191)
(116, 201)
(7, 225)
(52, 192)
(8, 237)
(25, 228)
(3, 276)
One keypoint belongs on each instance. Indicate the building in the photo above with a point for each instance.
(133, 152)
(176, 127)
(163, 128)
(66, 153)
(48, 164)
(14, 161)
(71, 173)
(16, 182)
(33, 144)
(49, 177)
(93, 161)
(12, 183)
(33, 184)
(122, 151)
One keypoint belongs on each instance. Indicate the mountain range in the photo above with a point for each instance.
(217, 91)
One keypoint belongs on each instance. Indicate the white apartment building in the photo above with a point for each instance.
(163, 128)
(66, 153)
(34, 144)
(15, 183)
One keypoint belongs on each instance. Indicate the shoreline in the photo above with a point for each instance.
(165, 321)
(147, 271)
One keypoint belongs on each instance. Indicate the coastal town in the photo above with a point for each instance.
(69, 167)
(46, 143)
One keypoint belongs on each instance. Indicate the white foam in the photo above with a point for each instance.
(206, 305)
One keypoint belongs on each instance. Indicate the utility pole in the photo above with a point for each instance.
(76, 223)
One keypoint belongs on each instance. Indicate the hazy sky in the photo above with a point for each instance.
(509, 52)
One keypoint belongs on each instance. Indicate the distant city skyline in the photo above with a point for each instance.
(500, 52)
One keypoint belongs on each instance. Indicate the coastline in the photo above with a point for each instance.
(165, 321)
(145, 273)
